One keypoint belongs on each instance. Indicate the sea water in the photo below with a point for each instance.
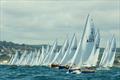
(45, 73)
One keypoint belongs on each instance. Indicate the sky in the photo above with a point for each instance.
(43, 21)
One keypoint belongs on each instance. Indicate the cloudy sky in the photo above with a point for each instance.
(41, 22)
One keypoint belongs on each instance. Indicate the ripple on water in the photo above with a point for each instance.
(45, 73)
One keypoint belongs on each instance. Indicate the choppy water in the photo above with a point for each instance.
(45, 73)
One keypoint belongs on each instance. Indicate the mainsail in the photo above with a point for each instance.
(15, 59)
(92, 60)
(38, 53)
(41, 56)
(46, 53)
(108, 56)
(60, 54)
(66, 60)
(51, 54)
(85, 45)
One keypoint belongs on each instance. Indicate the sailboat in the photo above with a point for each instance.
(21, 60)
(30, 58)
(66, 60)
(41, 56)
(12, 57)
(93, 58)
(108, 56)
(90, 65)
(84, 48)
(45, 55)
(60, 54)
(51, 54)
(15, 59)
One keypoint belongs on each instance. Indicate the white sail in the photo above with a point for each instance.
(56, 58)
(96, 55)
(95, 58)
(46, 53)
(108, 56)
(15, 59)
(25, 60)
(70, 52)
(41, 57)
(61, 53)
(105, 54)
(47, 50)
(11, 60)
(12, 57)
(112, 53)
(34, 55)
(51, 54)
(92, 59)
(20, 62)
(29, 58)
(88, 42)
(36, 60)
(85, 45)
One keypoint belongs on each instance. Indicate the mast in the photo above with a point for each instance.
(70, 51)
(60, 54)
(79, 47)
(108, 54)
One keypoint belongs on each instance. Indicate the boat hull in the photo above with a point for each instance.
(63, 67)
(54, 65)
(88, 70)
